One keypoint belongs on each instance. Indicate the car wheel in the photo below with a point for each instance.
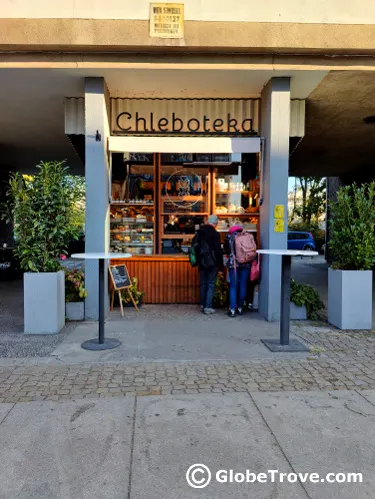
(307, 247)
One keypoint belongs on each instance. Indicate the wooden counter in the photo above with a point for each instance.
(164, 278)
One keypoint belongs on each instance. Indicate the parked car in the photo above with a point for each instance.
(298, 240)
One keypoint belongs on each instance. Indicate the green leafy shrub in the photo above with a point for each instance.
(75, 285)
(137, 294)
(305, 295)
(352, 228)
(221, 297)
(42, 209)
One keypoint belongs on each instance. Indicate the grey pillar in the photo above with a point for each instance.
(275, 120)
(97, 186)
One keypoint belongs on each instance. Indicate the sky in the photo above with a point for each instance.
(291, 183)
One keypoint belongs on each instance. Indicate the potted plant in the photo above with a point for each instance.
(42, 210)
(75, 294)
(136, 293)
(305, 302)
(221, 297)
(352, 247)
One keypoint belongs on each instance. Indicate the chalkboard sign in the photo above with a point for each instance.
(120, 276)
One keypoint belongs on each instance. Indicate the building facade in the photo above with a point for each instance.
(174, 111)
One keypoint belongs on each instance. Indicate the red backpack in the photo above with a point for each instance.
(245, 247)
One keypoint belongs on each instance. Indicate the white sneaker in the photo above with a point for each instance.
(209, 311)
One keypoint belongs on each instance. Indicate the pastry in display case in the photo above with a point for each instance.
(132, 212)
(132, 230)
(184, 206)
(236, 197)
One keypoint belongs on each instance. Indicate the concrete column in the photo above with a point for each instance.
(275, 120)
(97, 186)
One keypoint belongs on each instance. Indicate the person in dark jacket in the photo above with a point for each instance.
(208, 267)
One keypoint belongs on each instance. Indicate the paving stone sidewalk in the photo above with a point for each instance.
(338, 361)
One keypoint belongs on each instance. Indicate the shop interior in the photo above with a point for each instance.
(159, 201)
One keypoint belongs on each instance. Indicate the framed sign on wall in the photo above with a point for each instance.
(167, 20)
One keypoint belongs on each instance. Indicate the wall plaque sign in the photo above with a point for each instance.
(230, 117)
(167, 20)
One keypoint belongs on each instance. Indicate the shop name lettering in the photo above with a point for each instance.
(139, 124)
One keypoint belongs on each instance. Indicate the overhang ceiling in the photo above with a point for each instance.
(32, 100)
(337, 141)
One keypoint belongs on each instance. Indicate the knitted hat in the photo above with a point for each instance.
(213, 219)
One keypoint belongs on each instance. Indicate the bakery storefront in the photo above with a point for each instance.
(173, 162)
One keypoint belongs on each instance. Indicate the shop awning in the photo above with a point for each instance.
(204, 145)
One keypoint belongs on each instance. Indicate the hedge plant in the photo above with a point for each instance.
(42, 211)
(352, 228)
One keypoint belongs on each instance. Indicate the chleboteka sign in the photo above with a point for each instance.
(185, 116)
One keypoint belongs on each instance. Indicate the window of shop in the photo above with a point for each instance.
(159, 201)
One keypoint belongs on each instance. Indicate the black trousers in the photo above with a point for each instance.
(207, 286)
(250, 291)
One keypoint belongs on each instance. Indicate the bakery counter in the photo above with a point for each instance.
(164, 278)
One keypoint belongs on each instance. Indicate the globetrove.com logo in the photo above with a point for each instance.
(199, 476)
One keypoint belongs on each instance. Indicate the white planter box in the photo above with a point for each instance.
(297, 313)
(350, 298)
(44, 302)
(75, 310)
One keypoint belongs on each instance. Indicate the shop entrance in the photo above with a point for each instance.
(159, 201)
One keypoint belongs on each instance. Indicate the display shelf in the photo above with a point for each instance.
(243, 193)
(129, 232)
(182, 198)
(229, 215)
(224, 231)
(135, 222)
(137, 245)
(124, 203)
(190, 213)
(177, 236)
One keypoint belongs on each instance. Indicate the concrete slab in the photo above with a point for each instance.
(4, 411)
(175, 333)
(325, 432)
(222, 432)
(67, 449)
(369, 395)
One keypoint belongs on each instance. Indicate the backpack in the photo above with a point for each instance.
(245, 247)
(194, 251)
(201, 254)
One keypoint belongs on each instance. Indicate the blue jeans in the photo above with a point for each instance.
(238, 286)
(207, 288)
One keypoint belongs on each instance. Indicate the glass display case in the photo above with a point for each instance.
(133, 211)
(236, 196)
(184, 205)
(159, 201)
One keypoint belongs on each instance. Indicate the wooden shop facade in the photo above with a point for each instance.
(173, 162)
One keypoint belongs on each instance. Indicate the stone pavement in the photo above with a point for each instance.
(337, 361)
(141, 447)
